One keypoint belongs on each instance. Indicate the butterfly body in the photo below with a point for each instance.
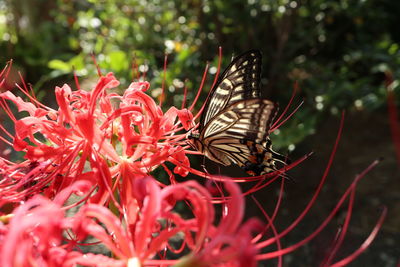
(235, 124)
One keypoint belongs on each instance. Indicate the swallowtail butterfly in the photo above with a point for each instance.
(234, 126)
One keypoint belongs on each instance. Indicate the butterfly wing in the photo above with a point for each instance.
(235, 123)
(240, 80)
(239, 134)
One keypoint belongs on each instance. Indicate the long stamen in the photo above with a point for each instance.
(199, 91)
(163, 80)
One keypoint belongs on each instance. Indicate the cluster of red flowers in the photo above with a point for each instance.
(86, 181)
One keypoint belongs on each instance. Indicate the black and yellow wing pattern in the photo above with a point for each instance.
(234, 126)
(239, 81)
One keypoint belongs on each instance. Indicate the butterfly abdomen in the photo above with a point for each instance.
(261, 159)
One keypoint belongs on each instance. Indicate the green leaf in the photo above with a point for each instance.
(118, 60)
(77, 62)
(57, 64)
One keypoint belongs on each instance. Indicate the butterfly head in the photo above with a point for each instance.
(194, 140)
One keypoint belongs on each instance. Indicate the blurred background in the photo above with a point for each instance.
(340, 52)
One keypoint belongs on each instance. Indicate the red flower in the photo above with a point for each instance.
(87, 127)
(33, 236)
(103, 147)
(36, 234)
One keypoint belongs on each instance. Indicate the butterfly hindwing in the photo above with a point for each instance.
(239, 134)
(240, 80)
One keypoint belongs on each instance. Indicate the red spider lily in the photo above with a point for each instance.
(39, 233)
(149, 234)
(3, 86)
(58, 144)
(5, 72)
(34, 235)
(104, 146)
(128, 131)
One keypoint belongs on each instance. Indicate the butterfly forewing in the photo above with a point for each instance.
(239, 81)
(249, 119)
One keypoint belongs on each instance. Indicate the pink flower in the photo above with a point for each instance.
(88, 126)
(33, 236)
(103, 147)
(145, 229)
(96, 130)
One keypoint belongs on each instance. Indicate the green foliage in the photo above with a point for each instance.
(338, 51)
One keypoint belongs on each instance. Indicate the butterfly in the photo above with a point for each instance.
(235, 123)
